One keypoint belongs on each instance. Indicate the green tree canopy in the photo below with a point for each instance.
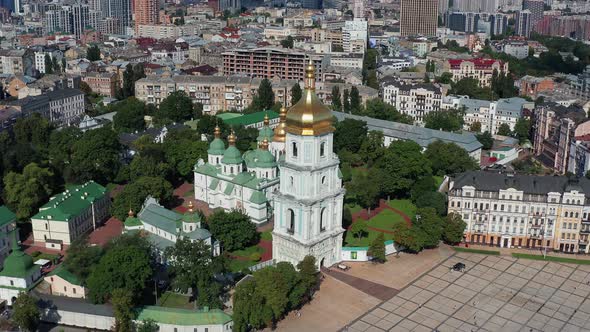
(504, 130)
(287, 42)
(402, 165)
(234, 229)
(377, 249)
(365, 188)
(430, 224)
(264, 98)
(25, 193)
(359, 228)
(377, 108)
(349, 135)
(449, 158)
(475, 127)
(486, 140)
(355, 101)
(372, 148)
(96, 156)
(453, 228)
(81, 258)
(295, 93)
(336, 99)
(126, 264)
(522, 130)
(451, 120)
(177, 107)
(135, 193)
(25, 312)
(130, 115)
(122, 301)
(93, 53)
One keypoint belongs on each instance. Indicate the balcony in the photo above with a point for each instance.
(584, 230)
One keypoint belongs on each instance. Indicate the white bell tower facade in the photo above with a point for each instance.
(308, 205)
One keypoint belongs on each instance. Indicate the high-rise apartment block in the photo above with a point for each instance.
(418, 17)
(356, 30)
(145, 12)
(536, 8)
(523, 23)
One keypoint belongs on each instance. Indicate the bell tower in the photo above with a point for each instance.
(308, 205)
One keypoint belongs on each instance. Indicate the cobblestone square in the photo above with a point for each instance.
(494, 293)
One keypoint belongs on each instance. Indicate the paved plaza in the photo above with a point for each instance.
(495, 293)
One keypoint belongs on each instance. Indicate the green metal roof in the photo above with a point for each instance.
(232, 156)
(227, 115)
(213, 184)
(229, 188)
(132, 222)
(258, 197)
(66, 275)
(266, 159)
(198, 234)
(72, 202)
(160, 217)
(191, 217)
(217, 147)
(249, 119)
(207, 169)
(6, 216)
(183, 316)
(18, 264)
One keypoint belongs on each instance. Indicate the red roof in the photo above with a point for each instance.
(583, 137)
(479, 63)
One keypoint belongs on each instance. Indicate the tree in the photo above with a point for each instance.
(365, 188)
(81, 258)
(346, 217)
(250, 307)
(55, 65)
(287, 42)
(234, 229)
(264, 98)
(148, 325)
(275, 284)
(182, 153)
(428, 221)
(402, 164)
(130, 115)
(377, 249)
(475, 127)
(128, 88)
(95, 156)
(522, 130)
(346, 102)
(486, 140)
(359, 228)
(295, 93)
(410, 238)
(449, 158)
(349, 135)
(453, 228)
(469, 86)
(93, 53)
(84, 87)
(33, 130)
(336, 99)
(135, 193)
(445, 78)
(127, 264)
(25, 193)
(192, 266)
(377, 108)
(432, 199)
(177, 107)
(355, 100)
(372, 147)
(504, 130)
(451, 120)
(310, 277)
(25, 312)
(48, 64)
(122, 301)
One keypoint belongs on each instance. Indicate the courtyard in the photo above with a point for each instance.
(494, 293)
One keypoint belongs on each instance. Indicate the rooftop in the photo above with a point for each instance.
(183, 316)
(69, 204)
(6, 216)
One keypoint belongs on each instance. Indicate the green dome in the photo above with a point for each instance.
(191, 217)
(265, 132)
(232, 156)
(217, 147)
(265, 159)
(17, 264)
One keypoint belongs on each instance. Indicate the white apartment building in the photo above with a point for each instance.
(522, 211)
(348, 60)
(490, 114)
(355, 34)
(415, 100)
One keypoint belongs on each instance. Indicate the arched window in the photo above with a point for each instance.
(291, 181)
(322, 149)
(294, 149)
(324, 180)
(217, 160)
(323, 220)
(290, 221)
(231, 170)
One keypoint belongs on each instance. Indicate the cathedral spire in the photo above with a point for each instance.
(217, 132)
(279, 131)
(310, 75)
(266, 119)
(231, 139)
(264, 144)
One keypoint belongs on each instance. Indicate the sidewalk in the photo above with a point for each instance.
(536, 251)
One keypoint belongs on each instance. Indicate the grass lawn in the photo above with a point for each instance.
(237, 265)
(266, 236)
(404, 205)
(364, 241)
(552, 259)
(175, 300)
(353, 207)
(477, 251)
(438, 180)
(247, 251)
(385, 220)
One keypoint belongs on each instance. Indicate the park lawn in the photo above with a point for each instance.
(386, 219)
(266, 236)
(246, 252)
(237, 265)
(552, 259)
(404, 205)
(365, 241)
(438, 180)
(175, 300)
(477, 251)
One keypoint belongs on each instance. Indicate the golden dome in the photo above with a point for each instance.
(309, 116)
(266, 119)
(279, 130)
(130, 213)
(217, 132)
(231, 139)
(190, 206)
(264, 144)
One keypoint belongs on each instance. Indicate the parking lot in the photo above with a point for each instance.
(494, 293)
